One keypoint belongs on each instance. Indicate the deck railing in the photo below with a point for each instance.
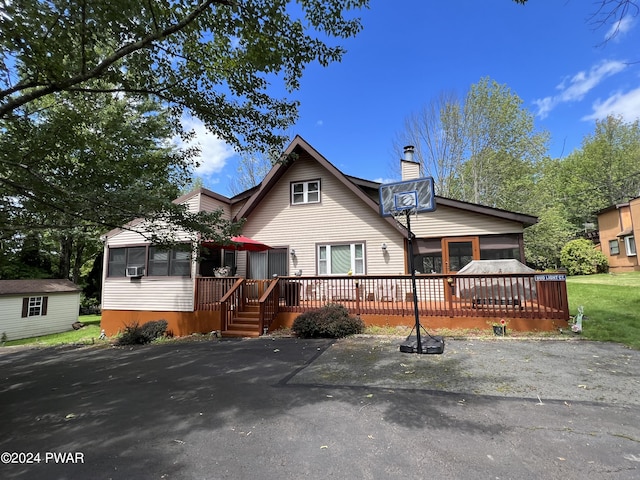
(488, 295)
(511, 295)
(210, 290)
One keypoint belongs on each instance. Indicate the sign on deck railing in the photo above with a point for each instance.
(551, 277)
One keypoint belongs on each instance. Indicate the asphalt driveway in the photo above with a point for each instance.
(287, 408)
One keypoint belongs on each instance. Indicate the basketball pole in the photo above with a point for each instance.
(413, 281)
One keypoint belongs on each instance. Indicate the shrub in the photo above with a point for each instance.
(580, 257)
(89, 306)
(135, 334)
(330, 321)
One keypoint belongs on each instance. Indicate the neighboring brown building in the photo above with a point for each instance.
(619, 225)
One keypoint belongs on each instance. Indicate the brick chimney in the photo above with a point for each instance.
(408, 166)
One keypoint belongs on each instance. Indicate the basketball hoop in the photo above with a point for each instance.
(399, 200)
(413, 195)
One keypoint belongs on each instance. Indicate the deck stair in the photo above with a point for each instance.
(245, 322)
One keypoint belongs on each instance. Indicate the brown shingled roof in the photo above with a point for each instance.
(33, 286)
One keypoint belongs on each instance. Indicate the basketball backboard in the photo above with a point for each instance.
(415, 195)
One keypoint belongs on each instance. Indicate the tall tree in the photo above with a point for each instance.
(213, 58)
(436, 133)
(502, 147)
(603, 172)
(252, 168)
(482, 149)
(104, 157)
(86, 157)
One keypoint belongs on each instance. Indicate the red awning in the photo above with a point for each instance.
(240, 243)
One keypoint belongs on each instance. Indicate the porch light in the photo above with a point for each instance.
(383, 246)
(292, 253)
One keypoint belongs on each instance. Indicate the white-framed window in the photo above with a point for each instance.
(614, 247)
(305, 192)
(34, 306)
(630, 245)
(340, 259)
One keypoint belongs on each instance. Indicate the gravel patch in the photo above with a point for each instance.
(542, 370)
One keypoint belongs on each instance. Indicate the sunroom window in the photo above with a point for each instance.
(305, 192)
(341, 259)
(121, 258)
(173, 263)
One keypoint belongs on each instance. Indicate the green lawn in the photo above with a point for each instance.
(87, 335)
(611, 304)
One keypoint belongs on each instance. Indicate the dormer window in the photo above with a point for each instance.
(305, 192)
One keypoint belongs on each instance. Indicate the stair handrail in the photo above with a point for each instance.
(224, 302)
(268, 299)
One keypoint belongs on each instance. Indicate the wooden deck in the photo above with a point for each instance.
(485, 298)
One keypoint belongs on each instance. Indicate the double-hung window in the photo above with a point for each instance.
(305, 192)
(341, 259)
(614, 247)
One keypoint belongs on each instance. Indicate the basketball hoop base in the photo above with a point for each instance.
(429, 344)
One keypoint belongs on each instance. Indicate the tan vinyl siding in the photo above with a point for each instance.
(235, 208)
(409, 170)
(339, 217)
(193, 203)
(148, 293)
(452, 222)
(126, 238)
(208, 204)
(62, 311)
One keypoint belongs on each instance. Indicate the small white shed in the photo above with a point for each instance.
(30, 308)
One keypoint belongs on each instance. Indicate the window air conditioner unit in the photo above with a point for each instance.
(135, 272)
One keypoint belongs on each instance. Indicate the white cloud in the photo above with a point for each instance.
(625, 105)
(575, 88)
(619, 28)
(385, 180)
(214, 153)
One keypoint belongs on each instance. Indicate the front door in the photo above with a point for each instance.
(458, 252)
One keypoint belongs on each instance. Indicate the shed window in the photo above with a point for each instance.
(34, 306)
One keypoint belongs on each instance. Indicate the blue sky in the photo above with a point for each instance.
(567, 70)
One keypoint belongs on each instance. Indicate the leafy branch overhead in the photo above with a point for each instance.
(215, 58)
(218, 60)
